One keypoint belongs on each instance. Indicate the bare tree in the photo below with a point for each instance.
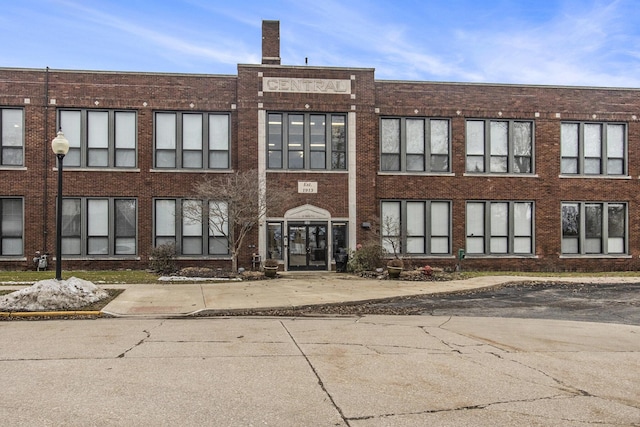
(232, 204)
(392, 234)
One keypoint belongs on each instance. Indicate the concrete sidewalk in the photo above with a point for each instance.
(294, 290)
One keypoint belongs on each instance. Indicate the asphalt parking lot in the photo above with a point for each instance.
(593, 302)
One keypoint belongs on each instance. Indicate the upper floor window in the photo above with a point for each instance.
(594, 228)
(499, 146)
(192, 140)
(593, 149)
(307, 141)
(416, 227)
(99, 138)
(175, 222)
(499, 228)
(11, 227)
(12, 137)
(414, 144)
(99, 226)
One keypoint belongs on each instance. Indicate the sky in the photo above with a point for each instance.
(546, 42)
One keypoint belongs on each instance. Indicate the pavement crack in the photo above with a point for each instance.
(139, 343)
(317, 375)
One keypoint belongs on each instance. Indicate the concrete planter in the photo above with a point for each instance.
(270, 271)
(394, 272)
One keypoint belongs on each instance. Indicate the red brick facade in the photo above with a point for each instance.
(352, 196)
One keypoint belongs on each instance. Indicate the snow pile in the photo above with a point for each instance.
(48, 295)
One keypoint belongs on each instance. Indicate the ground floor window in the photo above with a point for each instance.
(196, 227)
(416, 227)
(499, 228)
(275, 242)
(12, 227)
(594, 228)
(96, 226)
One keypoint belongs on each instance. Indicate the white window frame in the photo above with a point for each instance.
(578, 240)
(579, 155)
(487, 149)
(411, 232)
(487, 235)
(397, 144)
(91, 229)
(179, 230)
(11, 136)
(208, 143)
(91, 138)
(11, 227)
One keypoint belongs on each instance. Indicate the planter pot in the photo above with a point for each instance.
(394, 272)
(270, 271)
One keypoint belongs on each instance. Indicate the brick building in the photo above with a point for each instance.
(519, 177)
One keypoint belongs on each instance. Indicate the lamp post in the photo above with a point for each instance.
(60, 146)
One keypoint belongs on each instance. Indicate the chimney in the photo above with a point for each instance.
(271, 42)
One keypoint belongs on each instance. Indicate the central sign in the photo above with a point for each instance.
(284, 84)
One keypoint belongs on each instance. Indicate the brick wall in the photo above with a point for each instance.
(243, 97)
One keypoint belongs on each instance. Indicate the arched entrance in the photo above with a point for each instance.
(306, 238)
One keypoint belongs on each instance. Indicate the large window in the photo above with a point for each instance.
(192, 226)
(416, 227)
(11, 227)
(593, 149)
(499, 146)
(99, 138)
(307, 141)
(500, 228)
(12, 137)
(594, 228)
(414, 145)
(192, 141)
(99, 226)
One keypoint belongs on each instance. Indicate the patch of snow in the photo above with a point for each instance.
(51, 294)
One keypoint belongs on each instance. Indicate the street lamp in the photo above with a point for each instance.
(60, 146)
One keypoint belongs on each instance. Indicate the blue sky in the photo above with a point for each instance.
(563, 42)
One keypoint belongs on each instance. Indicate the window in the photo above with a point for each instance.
(99, 138)
(500, 228)
(420, 227)
(307, 141)
(594, 228)
(11, 227)
(192, 140)
(499, 146)
(593, 149)
(97, 226)
(175, 222)
(275, 242)
(12, 137)
(414, 145)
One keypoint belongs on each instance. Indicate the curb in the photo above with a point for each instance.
(7, 314)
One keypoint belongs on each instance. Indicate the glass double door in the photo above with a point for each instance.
(307, 246)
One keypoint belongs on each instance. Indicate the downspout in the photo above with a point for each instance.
(45, 211)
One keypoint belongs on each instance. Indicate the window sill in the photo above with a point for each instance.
(595, 256)
(391, 173)
(14, 259)
(191, 170)
(13, 168)
(110, 170)
(501, 175)
(595, 176)
(99, 258)
(500, 256)
(342, 171)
